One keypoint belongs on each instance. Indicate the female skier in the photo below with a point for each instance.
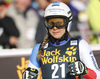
(60, 56)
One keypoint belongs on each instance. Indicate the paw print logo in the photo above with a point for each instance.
(71, 51)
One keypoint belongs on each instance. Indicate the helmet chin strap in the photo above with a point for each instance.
(53, 40)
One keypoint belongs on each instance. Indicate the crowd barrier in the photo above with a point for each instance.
(14, 61)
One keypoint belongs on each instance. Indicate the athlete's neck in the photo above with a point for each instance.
(57, 41)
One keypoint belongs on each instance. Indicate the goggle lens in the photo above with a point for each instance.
(55, 22)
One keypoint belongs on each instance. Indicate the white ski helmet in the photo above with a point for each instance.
(59, 9)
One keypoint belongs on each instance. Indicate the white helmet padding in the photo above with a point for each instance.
(59, 9)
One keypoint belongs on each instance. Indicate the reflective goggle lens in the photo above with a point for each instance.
(55, 22)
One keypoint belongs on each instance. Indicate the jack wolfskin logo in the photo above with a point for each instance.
(71, 51)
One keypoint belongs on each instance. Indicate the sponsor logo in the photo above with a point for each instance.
(21, 68)
(91, 53)
(55, 4)
(74, 42)
(94, 61)
(71, 51)
(55, 56)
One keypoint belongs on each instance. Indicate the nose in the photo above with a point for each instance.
(55, 27)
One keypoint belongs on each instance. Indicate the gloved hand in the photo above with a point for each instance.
(77, 68)
(30, 73)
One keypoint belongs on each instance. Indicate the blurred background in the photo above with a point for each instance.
(22, 27)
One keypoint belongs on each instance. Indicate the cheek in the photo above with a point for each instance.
(50, 31)
(62, 32)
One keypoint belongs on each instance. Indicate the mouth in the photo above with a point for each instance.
(55, 32)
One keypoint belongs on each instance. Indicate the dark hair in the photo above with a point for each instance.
(2, 3)
(48, 0)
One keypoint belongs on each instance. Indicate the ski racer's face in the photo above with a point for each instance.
(57, 32)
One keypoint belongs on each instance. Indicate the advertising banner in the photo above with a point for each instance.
(12, 68)
(13, 63)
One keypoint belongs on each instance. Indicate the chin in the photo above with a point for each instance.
(57, 37)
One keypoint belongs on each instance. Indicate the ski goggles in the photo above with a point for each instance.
(55, 22)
